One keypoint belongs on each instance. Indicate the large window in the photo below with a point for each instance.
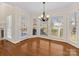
(9, 26)
(72, 27)
(34, 26)
(44, 27)
(23, 26)
(57, 26)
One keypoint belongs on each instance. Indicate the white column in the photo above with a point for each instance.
(49, 26)
(59, 31)
(30, 26)
(77, 24)
(38, 26)
(66, 29)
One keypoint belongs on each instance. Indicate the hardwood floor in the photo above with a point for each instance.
(37, 47)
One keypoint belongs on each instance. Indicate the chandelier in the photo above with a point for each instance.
(44, 17)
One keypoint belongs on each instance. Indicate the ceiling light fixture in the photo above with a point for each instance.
(44, 17)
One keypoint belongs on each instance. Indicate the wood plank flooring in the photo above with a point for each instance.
(37, 47)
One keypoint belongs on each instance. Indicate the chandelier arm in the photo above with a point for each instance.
(43, 9)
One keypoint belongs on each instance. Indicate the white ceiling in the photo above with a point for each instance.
(37, 7)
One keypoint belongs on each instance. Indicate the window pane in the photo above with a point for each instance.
(72, 24)
(34, 26)
(23, 26)
(9, 25)
(57, 26)
(44, 28)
